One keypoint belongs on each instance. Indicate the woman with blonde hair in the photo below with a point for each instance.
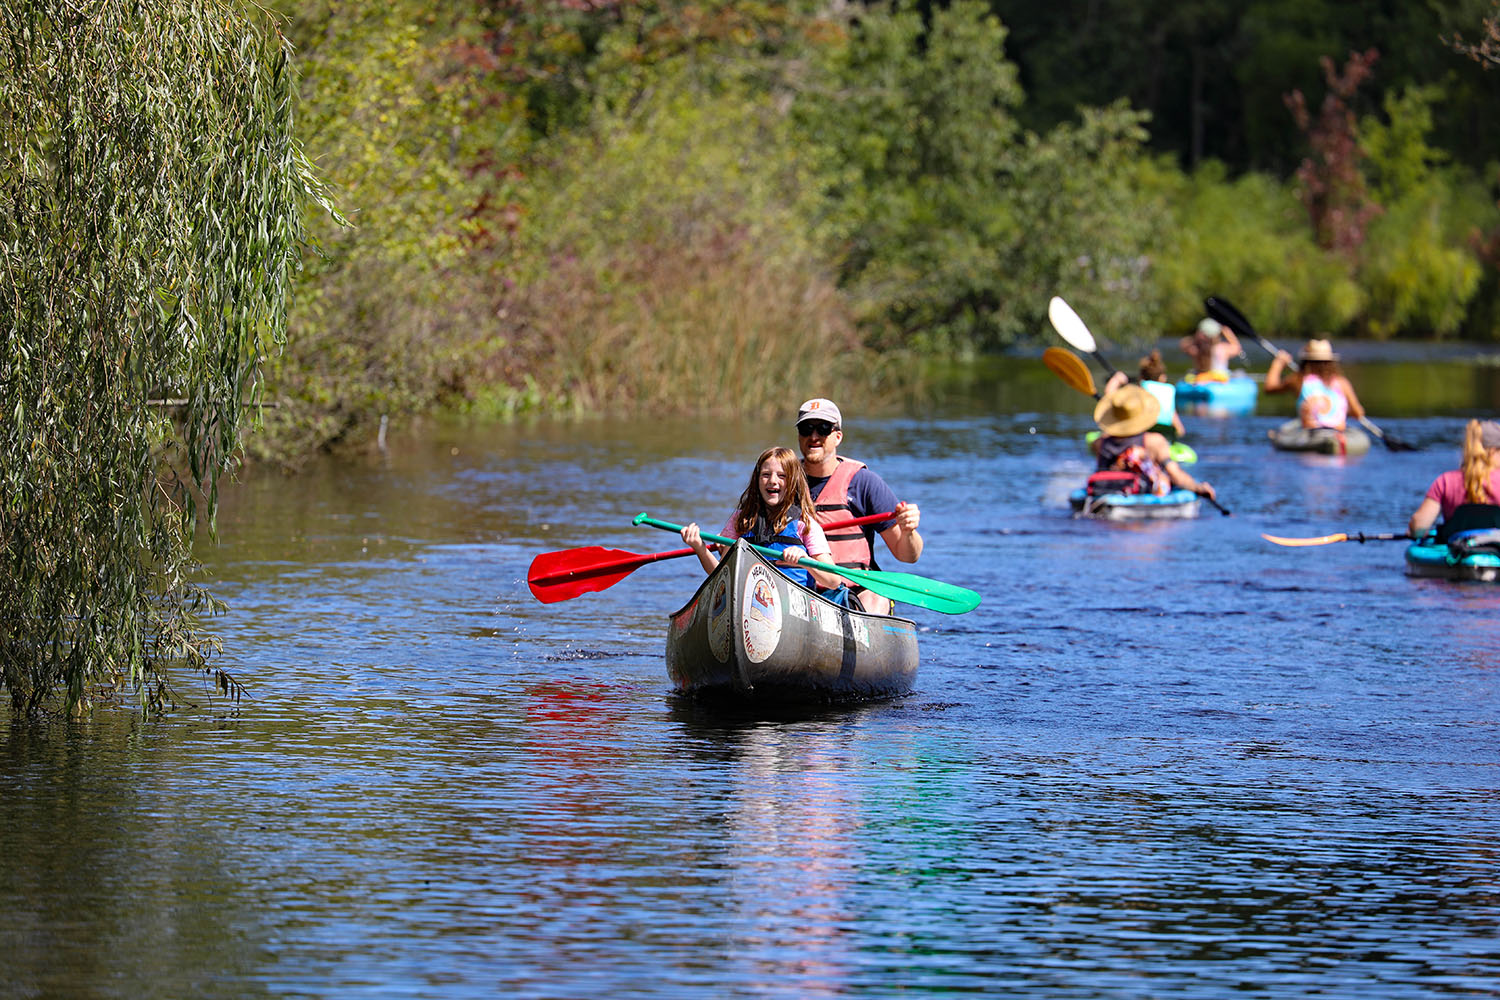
(1468, 497)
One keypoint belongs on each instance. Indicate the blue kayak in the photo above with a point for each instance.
(1468, 555)
(1134, 506)
(1214, 398)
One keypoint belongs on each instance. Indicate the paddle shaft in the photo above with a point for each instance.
(599, 567)
(1358, 536)
(905, 587)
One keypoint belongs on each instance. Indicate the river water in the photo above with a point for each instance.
(1165, 760)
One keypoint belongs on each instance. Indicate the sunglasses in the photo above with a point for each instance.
(822, 428)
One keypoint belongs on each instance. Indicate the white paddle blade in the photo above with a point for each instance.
(1068, 326)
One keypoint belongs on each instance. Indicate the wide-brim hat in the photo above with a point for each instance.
(1128, 410)
(1318, 350)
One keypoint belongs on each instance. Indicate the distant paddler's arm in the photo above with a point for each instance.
(1423, 518)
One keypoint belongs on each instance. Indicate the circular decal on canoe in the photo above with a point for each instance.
(761, 622)
(720, 627)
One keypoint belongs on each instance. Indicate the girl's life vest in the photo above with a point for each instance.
(791, 535)
(1330, 408)
(850, 547)
(1128, 454)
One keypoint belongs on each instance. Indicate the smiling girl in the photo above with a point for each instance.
(770, 513)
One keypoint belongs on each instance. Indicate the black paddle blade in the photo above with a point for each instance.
(1397, 444)
(1226, 313)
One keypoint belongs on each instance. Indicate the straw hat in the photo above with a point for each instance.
(1128, 410)
(1318, 350)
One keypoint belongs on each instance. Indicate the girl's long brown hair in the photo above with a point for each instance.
(795, 495)
(1477, 466)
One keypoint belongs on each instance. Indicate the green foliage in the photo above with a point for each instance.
(953, 218)
(1248, 240)
(418, 142)
(152, 194)
(666, 261)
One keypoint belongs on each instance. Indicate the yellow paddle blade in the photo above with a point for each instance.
(1298, 542)
(1070, 368)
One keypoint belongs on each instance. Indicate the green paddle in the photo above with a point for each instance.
(907, 588)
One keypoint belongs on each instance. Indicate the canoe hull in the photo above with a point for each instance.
(751, 635)
(1292, 436)
(1176, 505)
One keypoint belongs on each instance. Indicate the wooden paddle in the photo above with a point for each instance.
(1072, 329)
(1066, 366)
(1226, 313)
(907, 588)
(569, 573)
(1358, 536)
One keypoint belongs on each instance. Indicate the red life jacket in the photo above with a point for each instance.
(850, 547)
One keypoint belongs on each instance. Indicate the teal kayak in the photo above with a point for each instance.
(1233, 397)
(1468, 555)
(1107, 506)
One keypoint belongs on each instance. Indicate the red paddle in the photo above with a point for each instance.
(564, 575)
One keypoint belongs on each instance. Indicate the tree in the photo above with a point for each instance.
(152, 195)
(1330, 183)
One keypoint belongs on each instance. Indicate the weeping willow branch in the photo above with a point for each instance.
(150, 200)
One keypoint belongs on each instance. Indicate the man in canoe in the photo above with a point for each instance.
(843, 488)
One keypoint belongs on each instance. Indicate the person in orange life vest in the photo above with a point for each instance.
(1209, 348)
(1468, 497)
(843, 488)
(1128, 444)
(774, 511)
(1325, 397)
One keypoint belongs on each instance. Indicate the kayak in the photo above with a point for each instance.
(751, 636)
(1231, 397)
(1468, 555)
(1182, 453)
(1292, 436)
(1099, 501)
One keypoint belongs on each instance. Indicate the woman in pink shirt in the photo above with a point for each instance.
(1469, 496)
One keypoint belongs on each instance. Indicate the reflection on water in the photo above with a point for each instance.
(1159, 759)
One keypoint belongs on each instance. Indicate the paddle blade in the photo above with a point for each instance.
(1301, 542)
(562, 576)
(1068, 326)
(1391, 443)
(908, 588)
(1068, 367)
(1225, 312)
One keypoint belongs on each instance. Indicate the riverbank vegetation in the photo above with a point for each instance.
(589, 207)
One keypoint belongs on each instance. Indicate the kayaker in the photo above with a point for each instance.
(842, 488)
(1325, 397)
(771, 513)
(1468, 497)
(1153, 378)
(1128, 444)
(1210, 348)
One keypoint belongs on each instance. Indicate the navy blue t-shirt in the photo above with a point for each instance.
(868, 494)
